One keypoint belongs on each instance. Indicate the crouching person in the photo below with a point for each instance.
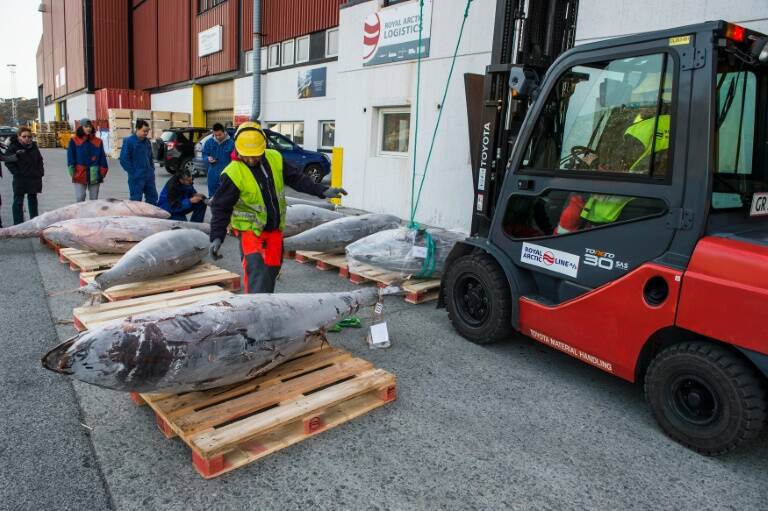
(180, 198)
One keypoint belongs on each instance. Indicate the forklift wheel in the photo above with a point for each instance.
(706, 397)
(478, 299)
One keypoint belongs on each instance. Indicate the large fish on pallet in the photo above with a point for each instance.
(300, 217)
(161, 254)
(212, 343)
(407, 251)
(112, 234)
(291, 201)
(95, 208)
(335, 235)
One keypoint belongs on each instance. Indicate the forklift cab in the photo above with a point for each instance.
(631, 229)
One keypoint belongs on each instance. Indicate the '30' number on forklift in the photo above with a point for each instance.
(603, 260)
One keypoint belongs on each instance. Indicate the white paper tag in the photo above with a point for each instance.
(419, 252)
(379, 335)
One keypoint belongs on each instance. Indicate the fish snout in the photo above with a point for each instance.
(58, 360)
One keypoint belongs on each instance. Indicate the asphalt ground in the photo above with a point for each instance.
(513, 425)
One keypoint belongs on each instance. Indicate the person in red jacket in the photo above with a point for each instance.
(86, 161)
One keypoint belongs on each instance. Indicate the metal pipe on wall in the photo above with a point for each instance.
(256, 100)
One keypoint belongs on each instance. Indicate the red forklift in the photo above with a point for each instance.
(621, 212)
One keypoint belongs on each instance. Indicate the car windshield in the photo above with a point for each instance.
(741, 149)
(279, 142)
(167, 136)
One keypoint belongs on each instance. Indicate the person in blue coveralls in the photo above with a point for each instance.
(179, 198)
(136, 159)
(217, 151)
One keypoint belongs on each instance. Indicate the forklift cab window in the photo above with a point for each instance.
(611, 116)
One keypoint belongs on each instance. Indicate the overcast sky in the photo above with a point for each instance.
(21, 27)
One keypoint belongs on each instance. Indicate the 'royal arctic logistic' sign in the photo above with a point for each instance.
(392, 34)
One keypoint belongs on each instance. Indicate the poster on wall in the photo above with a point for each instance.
(312, 83)
(392, 34)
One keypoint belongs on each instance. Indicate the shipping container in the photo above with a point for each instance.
(173, 41)
(109, 29)
(280, 22)
(145, 45)
(224, 15)
(120, 98)
(75, 49)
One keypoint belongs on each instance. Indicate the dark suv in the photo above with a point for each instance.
(175, 148)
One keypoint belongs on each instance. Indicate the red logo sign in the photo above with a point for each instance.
(549, 258)
(371, 33)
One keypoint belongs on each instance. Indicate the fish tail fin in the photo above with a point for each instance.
(393, 288)
(90, 289)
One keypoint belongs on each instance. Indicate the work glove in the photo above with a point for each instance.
(71, 170)
(334, 193)
(213, 251)
(94, 174)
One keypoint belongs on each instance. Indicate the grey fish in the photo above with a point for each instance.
(333, 236)
(163, 253)
(394, 250)
(112, 234)
(95, 208)
(208, 344)
(316, 203)
(300, 217)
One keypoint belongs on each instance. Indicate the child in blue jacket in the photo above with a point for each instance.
(180, 198)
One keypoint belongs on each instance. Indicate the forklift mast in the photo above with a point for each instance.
(528, 36)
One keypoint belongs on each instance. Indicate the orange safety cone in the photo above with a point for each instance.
(570, 218)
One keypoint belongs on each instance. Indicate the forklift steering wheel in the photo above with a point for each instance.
(576, 160)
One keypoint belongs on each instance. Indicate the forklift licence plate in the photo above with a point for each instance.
(759, 204)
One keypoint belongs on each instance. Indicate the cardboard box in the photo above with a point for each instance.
(142, 114)
(181, 117)
(119, 113)
(161, 125)
(120, 123)
(180, 124)
(161, 116)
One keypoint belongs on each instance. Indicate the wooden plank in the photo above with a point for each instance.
(89, 316)
(201, 275)
(247, 404)
(210, 443)
(84, 260)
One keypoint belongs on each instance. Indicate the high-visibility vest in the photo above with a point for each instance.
(603, 209)
(250, 212)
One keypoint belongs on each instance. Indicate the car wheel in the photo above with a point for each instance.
(706, 397)
(478, 299)
(188, 165)
(315, 172)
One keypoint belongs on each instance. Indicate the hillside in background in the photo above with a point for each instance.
(25, 108)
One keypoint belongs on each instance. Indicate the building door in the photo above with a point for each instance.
(218, 103)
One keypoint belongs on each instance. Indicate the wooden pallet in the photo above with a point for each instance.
(89, 316)
(229, 427)
(203, 274)
(324, 261)
(83, 260)
(416, 290)
(48, 243)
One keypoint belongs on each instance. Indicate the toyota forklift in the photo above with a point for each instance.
(621, 212)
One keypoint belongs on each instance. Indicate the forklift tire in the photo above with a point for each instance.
(706, 397)
(478, 299)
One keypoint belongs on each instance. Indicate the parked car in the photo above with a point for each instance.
(6, 132)
(175, 148)
(315, 164)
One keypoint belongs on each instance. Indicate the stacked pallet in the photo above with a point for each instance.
(160, 121)
(120, 126)
(52, 134)
(46, 139)
(180, 120)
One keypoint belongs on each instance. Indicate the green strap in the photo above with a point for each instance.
(415, 198)
(428, 266)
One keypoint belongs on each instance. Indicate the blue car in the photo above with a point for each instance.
(315, 164)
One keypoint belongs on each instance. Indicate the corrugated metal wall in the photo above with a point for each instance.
(145, 45)
(280, 22)
(59, 48)
(39, 61)
(173, 41)
(47, 50)
(225, 60)
(75, 42)
(110, 44)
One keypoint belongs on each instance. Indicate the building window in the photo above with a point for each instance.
(274, 56)
(291, 130)
(392, 2)
(394, 131)
(327, 134)
(204, 5)
(332, 42)
(288, 52)
(302, 49)
(249, 60)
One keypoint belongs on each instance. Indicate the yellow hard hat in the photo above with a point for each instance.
(250, 140)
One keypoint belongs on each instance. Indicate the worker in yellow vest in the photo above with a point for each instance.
(251, 198)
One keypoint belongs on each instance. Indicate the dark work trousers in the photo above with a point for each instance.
(262, 257)
(197, 210)
(18, 206)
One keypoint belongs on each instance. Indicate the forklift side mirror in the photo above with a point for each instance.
(523, 82)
